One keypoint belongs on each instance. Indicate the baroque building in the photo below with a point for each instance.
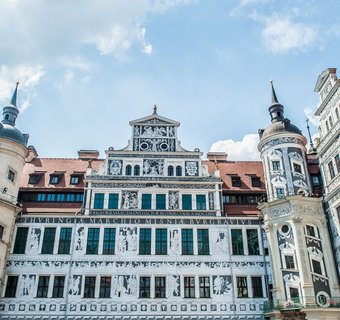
(153, 231)
(328, 88)
(304, 277)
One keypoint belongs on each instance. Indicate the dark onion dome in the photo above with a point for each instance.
(7, 125)
(279, 124)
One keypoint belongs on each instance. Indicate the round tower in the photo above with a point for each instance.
(283, 153)
(13, 151)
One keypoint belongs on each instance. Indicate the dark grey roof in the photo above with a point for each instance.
(280, 127)
(9, 132)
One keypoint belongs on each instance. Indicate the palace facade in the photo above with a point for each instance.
(153, 231)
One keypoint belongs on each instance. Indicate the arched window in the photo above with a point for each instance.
(1, 231)
(178, 171)
(337, 113)
(170, 171)
(330, 121)
(136, 170)
(128, 170)
(327, 126)
(6, 117)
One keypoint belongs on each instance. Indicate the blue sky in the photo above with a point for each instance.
(89, 67)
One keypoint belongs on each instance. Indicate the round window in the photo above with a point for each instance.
(285, 228)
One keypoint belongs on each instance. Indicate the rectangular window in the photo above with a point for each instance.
(65, 241)
(160, 287)
(189, 287)
(109, 241)
(186, 202)
(310, 231)
(204, 283)
(34, 178)
(144, 287)
(11, 287)
(90, 286)
(79, 197)
(98, 201)
(58, 287)
(201, 202)
(242, 287)
(20, 240)
(237, 241)
(105, 287)
(297, 167)
(253, 242)
(145, 241)
(316, 266)
(255, 182)
(41, 197)
(280, 193)
(203, 241)
(48, 241)
(146, 201)
(74, 180)
(11, 175)
(289, 262)
(187, 242)
(92, 241)
(294, 292)
(256, 283)
(160, 201)
(236, 182)
(70, 197)
(331, 170)
(113, 200)
(337, 163)
(51, 197)
(54, 179)
(315, 180)
(161, 241)
(60, 197)
(276, 165)
(43, 286)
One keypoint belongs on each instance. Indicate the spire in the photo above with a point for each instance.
(11, 111)
(276, 109)
(313, 149)
(274, 97)
(14, 96)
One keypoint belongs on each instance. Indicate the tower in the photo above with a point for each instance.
(304, 277)
(13, 152)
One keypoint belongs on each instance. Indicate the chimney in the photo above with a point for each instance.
(88, 154)
(217, 156)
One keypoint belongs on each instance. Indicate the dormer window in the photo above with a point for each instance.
(75, 180)
(236, 182)
(54, 179)
(34, 178)
(255, 182)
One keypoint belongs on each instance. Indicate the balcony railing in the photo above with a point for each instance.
(302, 302)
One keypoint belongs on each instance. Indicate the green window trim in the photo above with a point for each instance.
(92, 241)
(203, 242)
(146, 201)
(186, 202)
(65, 240)
(144, 241)
(160, 202)
(161, 241)
(98, 201)
(109, 241)
(237, 242)
(20, 240)
(187, 242)
(48, 241)
(113, 201)
(201, 203)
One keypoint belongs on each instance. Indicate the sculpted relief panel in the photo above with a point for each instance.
(115, 167)
(153, 167)
(127, 240)
(129, 200)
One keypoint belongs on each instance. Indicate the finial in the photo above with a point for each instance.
(274, 97)
(310, 136)
(90, 164)
(14, 96)
(154, 109)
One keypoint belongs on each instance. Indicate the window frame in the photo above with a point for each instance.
(204, 287)
(240, 287)
(186, 202)
(65, 238)
(48, 242)
(203, 244)
(20, 244)
(189, 287)
(237, 246)
(145, 287)
(11, 175)
(105, 287)
(58, 291)
(109, 241)
(257, 288)
(160, 287)
(11, 291)
(161, 244)
(145, 241)
(249, 245)
(92, 244)
(89, 287)
(98, 200)
(187, 242)
(43, 286)
(201, 202)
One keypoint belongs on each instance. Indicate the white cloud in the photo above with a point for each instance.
(29, 78)
(281, 34)
(239, 150)
(49, 29)
(310, 114)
